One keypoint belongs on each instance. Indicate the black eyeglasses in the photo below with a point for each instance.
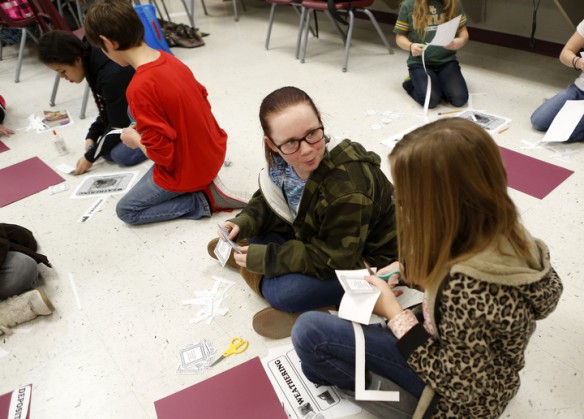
(292, 146)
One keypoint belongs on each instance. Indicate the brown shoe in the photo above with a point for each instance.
(273, 323)
(211, 249)
(252, 279)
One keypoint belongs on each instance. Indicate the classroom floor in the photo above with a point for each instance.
(114, 350)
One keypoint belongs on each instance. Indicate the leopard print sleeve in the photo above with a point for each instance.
(474, 362)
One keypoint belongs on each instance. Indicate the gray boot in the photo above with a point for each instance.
(23, 308)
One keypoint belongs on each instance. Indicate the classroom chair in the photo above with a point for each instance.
(336, 12)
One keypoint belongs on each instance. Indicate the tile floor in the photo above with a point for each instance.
(119, 353)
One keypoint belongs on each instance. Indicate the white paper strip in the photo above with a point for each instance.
(360, 392)
(74, 289)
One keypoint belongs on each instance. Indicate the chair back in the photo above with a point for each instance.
(18, 20)
(48, 16)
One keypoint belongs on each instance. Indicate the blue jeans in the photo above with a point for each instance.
(544, 115)
(125, 156)
(296, 292)
(147, 203)
(447, 83)
(18, 274)
(326, 347)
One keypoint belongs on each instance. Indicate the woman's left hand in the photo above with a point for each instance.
(241, 258)
(387, 304)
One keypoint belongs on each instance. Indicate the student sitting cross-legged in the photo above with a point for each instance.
(317, 210)
(174, 127)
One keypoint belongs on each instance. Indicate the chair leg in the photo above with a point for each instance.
(378, 29)
(336, 25)
(305, 30)
(20, 55)
(235, 15)
(84, 101)
(348, 40)
(243, 6)
(300, 26)
(55, 88)
(270, 21)
(204, 8)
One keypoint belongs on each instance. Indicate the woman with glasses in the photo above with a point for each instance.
(317, 211)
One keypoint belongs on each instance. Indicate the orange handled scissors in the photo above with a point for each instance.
(237, 346)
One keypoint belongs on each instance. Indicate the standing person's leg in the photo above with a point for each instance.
(126, 156)
(418, 84)
(18, 274)
(147, 203)
(542, 117)
(326, 346)
(454, 86)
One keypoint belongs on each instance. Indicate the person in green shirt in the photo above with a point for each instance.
(415, 26)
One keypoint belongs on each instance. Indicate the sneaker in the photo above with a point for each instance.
(408, 85)
(273, 323)
(221, 199)
(211, 249)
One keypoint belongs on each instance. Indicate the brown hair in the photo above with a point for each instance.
(452, 201)
(117, 21)
(278, 101)
(420, 22)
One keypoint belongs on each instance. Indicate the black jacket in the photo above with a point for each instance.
(108, 82)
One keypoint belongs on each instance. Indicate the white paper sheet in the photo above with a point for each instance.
(301, 398)
(565, 121)
(359, 298)
(446, 32)
(360, 392)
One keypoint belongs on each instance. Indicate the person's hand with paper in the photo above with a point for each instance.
(83, 165)
(130, 137)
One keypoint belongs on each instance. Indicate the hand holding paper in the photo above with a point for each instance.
(387, 304)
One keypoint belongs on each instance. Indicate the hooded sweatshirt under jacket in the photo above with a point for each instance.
(346, 215)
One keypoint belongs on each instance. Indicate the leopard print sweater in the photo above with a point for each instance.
(484, 312)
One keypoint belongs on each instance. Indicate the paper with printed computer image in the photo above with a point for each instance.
(301, 398)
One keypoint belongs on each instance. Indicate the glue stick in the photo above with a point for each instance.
(59, 144)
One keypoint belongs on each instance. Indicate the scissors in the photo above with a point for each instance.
(385, 277)
(237, 346)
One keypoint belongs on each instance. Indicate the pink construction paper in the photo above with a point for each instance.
(24, 179)
(242, 392)
(3, 147)
(532, 176)
(5, 405)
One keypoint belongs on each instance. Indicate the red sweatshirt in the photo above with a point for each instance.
(178, 129)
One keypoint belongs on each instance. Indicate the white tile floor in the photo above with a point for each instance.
(119, 353)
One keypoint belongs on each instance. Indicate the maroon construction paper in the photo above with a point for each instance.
(24, 179)
(5, 404)
(532, 176)
(242, 392)
(3, 147)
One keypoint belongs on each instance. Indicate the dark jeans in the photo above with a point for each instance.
(543, 116)
(447, 83)
(18, 274)
(326, 347)
(296, 292)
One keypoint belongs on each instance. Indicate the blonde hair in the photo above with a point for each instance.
(451, 196)
(420, 22)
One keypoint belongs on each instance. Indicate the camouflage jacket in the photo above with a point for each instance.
(346, 215)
